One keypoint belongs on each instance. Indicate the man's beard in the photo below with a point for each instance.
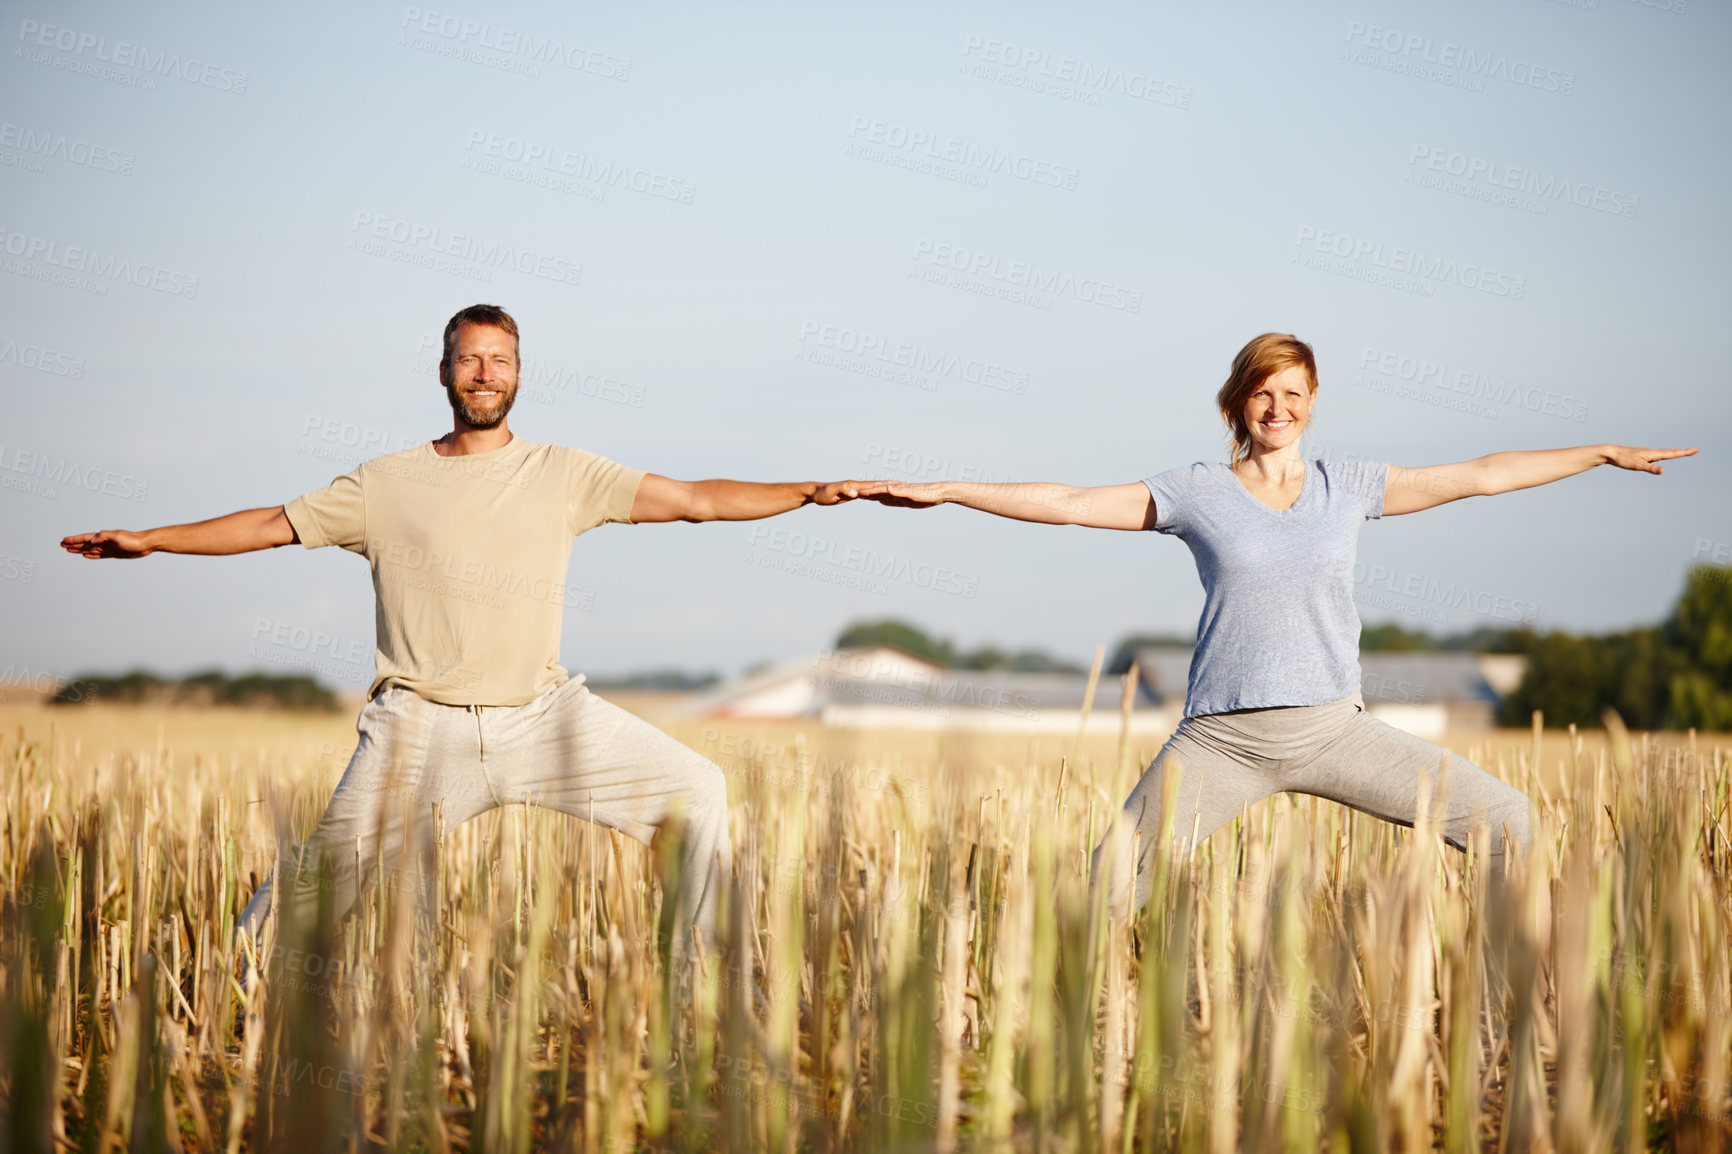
(475, 418)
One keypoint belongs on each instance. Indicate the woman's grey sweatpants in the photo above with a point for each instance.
(1336, 751)
(568, 749)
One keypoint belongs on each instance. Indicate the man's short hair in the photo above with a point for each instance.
(475, 315)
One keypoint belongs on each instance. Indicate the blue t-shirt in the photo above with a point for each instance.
(1279, 624)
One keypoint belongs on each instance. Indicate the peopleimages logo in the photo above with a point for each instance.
(1406, 264)
(1409, 51)
(515, 42)
(1517, 186)
(986, 272)
(1470, 383)
(44, 472)
(545, 382)
(1069, 77)
(923, 360)
(867, 565)
(469, 579)
(920, 144)
(554, 161)
(926, 467)
(78, 49)
(431, 243)
(44, 144)
(1417, 588)
(1714, 552)
(365, 441)
(82, 262)
(43, 360)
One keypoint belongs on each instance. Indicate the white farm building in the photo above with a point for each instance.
(882, 687)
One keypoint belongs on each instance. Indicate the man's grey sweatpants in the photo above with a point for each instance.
(567, 749)
(1336, 751)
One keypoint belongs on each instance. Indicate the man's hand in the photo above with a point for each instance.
(108, 543)
(836, 493)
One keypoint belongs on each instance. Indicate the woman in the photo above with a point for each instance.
(1273, 702)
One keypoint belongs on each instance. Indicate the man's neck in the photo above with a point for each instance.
(463, 441)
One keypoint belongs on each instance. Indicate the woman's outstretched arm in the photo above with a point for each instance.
(1101, 507)
(1409, 490)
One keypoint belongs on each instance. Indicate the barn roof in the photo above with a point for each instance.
(1410, 678)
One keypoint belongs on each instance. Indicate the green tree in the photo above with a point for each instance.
(939, 651)
(902, 635)
(1700, 629)
(1489, 640)
(1392, 638)
(1573, 680)
(1022, 661)
(254, 690)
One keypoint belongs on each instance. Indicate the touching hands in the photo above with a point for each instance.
(836, 492)
(1127, 506)
(1625, 457)
(901, 494)
(108, 543)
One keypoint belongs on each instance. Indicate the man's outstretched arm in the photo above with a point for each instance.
(662, 498)
(236, 533)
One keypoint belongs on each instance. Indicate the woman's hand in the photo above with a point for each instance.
(1101, 507)
(902, 494)
(1624, 457)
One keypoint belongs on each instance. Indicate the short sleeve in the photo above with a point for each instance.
(1366, 481)
(1173, 492)
(334, 515)
(598, 491)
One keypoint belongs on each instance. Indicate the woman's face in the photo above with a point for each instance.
(1276, 413)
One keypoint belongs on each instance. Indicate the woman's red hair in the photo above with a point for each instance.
(1259, 360)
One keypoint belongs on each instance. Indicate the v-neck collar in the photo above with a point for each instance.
(1304, 488)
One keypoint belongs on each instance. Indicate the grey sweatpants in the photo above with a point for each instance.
(567, 749)
(1336, 751)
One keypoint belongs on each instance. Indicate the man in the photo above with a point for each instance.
(469, 538)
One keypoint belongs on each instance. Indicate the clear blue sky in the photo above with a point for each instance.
(813, 241)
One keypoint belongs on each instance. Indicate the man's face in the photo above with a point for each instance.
(481, 382)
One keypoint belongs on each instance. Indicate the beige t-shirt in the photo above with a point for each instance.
(469, 558)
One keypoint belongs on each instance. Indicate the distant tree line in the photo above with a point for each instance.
(252, 691)
(1671, 676)
(660, 680)
(941, 651)
(1675, 675)
(1372, 639)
